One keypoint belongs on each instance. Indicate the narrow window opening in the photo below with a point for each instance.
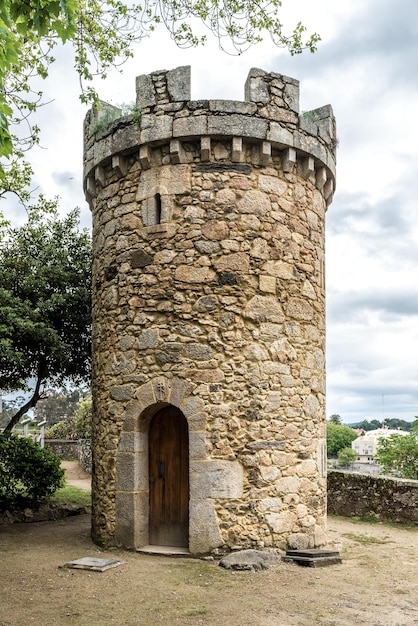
(157, 208)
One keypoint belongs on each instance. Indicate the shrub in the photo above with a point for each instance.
(28, 473)
(76, 427)
(83, 417)
(63, 430)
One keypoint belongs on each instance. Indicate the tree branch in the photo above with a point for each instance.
(37, 395)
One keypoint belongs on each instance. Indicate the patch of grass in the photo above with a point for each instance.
(365, 538)
(196, 612)
(72, 495)
(366, 519)
(373, 519)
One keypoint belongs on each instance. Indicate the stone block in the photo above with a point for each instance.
(193, 274)
(232, 106)
(189, 127)
(237, 262)
(145, 395)
(131, 471)
(216, 479)
(250, 560)
(148, 339)
(205, 148)
(267, 284)
(280, 135)
(197, 422)
(254, 202)
(291, 93)
(132, 442)
(191, 405)
(125, 138)
(238, 125)
(264, 309)
(256, 87)
(121, 392)
(197, 446)
(160, 180)
(204, 533)
(299, 309)
(131, 519)
(198, 352)
(145, 92)
(272, 184)
(160, 128)
(283, 522)
(178, 84)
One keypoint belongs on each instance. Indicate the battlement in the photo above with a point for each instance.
(268, 119)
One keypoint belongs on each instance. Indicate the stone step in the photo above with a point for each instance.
(313, 558)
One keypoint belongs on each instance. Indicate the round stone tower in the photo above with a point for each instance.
(209, 316)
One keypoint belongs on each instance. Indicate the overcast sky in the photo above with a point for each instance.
(366, 67)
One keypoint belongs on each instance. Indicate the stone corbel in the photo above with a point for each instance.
(321, 178)
(237, 151)
(99, 175)
(329, 191)
(176, 152)
(307, 167)
(205, 149)
(145, 157)
(288, 159)
(90, 188)
(265, 153)
(120, 165)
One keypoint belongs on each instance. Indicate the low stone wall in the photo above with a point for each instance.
(79, 450)
(389, 499)
(67, 450)
(84, 454)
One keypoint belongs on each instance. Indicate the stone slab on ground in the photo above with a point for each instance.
(93, 564)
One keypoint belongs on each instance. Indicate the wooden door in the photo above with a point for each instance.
(169, 478)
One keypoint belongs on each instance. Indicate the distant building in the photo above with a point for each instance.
(365, 446)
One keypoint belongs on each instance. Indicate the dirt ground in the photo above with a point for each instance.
(377, 583)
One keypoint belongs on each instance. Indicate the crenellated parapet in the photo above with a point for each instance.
(268, 121)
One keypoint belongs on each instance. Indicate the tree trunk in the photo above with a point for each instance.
(25, 407)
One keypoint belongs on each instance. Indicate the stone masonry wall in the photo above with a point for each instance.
(387, 499)
(208, 230)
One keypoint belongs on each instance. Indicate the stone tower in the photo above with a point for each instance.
(209, 316)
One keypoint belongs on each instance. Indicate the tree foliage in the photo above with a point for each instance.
(27, 471)
(346, 456)
(58, 405)
(335, 418)
(102, 34)
(338, 437)
(45, 305)
(398, 454)
(389, 422)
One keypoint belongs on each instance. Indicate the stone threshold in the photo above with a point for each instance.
(164, 550)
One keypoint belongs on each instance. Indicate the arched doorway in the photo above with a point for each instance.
(169, 478)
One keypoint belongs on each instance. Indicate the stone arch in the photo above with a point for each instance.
(132, 480)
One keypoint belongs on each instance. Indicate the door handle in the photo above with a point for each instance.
(161, 469)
